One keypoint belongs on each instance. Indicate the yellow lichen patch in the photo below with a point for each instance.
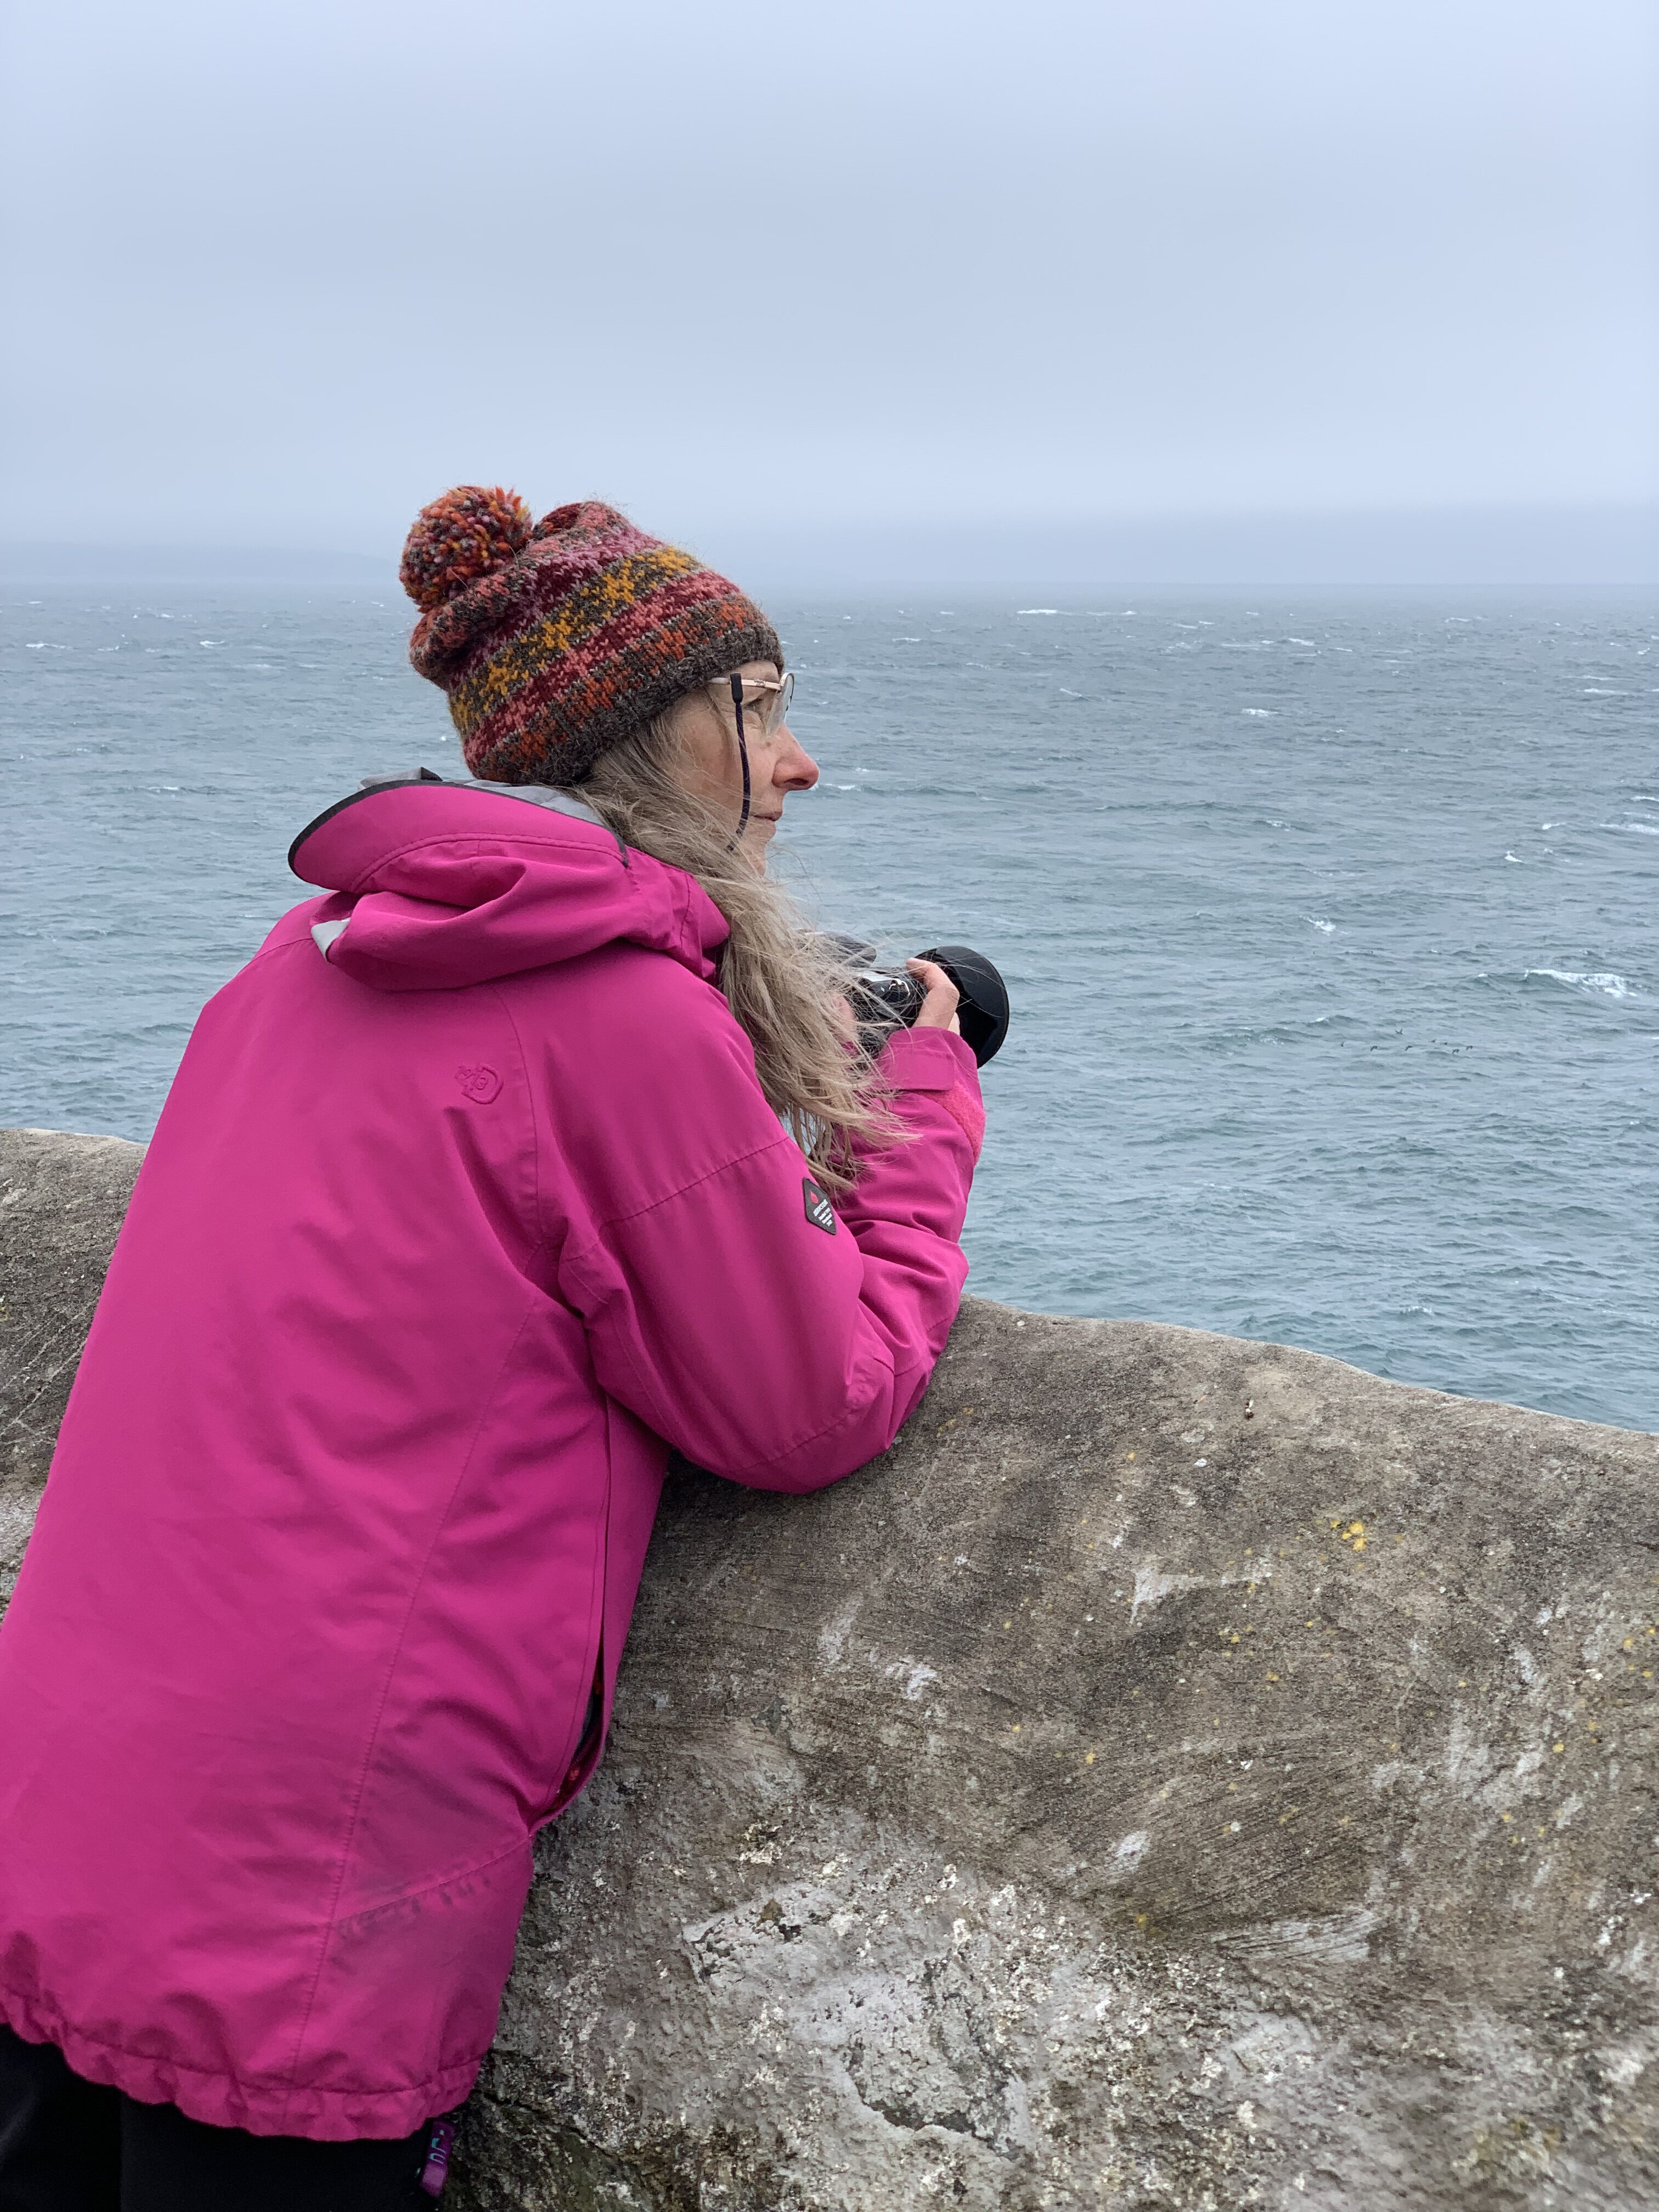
(1088, 1759)
(1558, 1746)
(1273, 1678)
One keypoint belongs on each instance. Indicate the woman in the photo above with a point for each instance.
(540, 1144)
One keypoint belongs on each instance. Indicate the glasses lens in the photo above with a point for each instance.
(777, 704)
(765, 705)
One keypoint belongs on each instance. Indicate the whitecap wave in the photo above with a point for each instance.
(1036, 611)
(1319, 922)
(1636, 829)
(1602, 985)
(1259, 713)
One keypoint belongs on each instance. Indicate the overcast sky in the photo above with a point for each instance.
(279, 273)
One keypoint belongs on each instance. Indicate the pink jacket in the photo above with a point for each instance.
(450, 1229)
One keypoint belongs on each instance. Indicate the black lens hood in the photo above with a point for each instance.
(982, 1011)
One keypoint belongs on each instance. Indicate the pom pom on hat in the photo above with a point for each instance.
(466, 534)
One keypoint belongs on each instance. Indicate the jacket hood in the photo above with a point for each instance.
(438, 885)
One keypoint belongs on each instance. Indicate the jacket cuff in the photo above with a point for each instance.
(928, 1060)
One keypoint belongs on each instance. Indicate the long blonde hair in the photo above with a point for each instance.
(781, 977)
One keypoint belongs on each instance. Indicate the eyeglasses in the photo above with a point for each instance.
(767, 698)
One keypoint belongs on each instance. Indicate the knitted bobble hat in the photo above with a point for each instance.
(555, 640)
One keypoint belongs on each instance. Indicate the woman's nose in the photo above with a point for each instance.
(796, 769)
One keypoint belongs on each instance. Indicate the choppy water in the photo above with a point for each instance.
(1332, 930)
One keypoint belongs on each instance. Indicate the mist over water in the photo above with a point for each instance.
(1331, 930)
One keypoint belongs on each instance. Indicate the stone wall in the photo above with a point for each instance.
(1183, 1773)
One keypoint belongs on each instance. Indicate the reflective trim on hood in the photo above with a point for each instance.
(551, 796)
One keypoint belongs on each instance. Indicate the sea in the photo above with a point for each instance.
(1331, 929)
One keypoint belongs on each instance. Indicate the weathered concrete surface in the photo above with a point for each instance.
(1183, 1774)
(61, 1202)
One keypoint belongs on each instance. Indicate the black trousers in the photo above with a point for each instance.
(68, 2145)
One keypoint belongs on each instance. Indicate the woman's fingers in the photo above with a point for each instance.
(939, 1008)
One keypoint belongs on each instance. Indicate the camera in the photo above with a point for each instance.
(885, 998)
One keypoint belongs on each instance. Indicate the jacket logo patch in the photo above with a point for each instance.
(480, 1084)
(820, 1212)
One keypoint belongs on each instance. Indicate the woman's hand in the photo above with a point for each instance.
(939, 1008)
